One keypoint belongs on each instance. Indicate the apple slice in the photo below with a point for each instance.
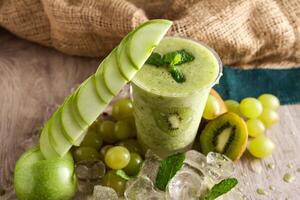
(74, 110)
(145, 39)
(79, 140)
(45, 146)
(88, 102)
(102, 90)
(56, 135)
(126, 67)
(112, 76)
(69, 122)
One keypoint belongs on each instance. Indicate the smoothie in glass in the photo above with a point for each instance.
(168, 113)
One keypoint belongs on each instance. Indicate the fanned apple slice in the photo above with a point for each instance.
(145, 39)
(69, 122)
(46, 149)
(126, 67)
(88, 102)
(112, 76)
(56, 136)
(102, 90)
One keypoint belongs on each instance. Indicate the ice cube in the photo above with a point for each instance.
(188, 183)
(82, 171)
(151, 165)
(102, 192)
(235, 194)
(196, 160)
(90, 170)
(219, 166)
(215, 166)
(142, 188)
(86, 186)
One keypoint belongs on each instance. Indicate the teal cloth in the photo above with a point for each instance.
(237, 84)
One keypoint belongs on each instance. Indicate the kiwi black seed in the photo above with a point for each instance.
(227, 134)
(172, 120)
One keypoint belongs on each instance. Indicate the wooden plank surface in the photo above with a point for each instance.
(35, 79)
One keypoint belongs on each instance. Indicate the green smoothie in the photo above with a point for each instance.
(168, 113)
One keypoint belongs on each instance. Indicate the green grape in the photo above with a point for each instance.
(94, 126)
(261, 146)
(233, 106)
(92, 139)
(134, 164)
(85, 153)
(117, 157)
(123, 130)
(250, 107)
(131, 121)
(106, 130)
(132, 145)
(212, 108)
(269, 117)
(122, 109)
(269, 101)
(104, 149)
(111, 179)
(255, 127)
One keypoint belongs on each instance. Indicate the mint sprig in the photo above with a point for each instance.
(123, 174)
(221, 188)
(167, 170)
(172, 60)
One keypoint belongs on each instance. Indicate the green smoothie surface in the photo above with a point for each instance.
(202, 72)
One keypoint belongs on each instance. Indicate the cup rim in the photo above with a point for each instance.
(215, 54)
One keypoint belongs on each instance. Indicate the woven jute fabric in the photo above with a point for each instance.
(245, 33)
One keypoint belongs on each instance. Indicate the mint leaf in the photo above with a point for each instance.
(221, 188)
(177, 74)
(155, 59)
(185, 57)
(167, 169)
(172, 58)
(178, 57)
(123, 174)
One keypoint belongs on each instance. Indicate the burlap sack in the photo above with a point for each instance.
(245, 33)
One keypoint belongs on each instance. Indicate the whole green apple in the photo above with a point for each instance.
(38, 179)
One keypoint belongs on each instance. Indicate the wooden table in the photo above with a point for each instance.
(35, 79)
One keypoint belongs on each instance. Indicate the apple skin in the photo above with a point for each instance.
(38, 179)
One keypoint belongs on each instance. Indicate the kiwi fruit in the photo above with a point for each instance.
(227, 134)
(220, 100)
(172, 120)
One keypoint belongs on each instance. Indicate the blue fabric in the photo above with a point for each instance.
(237, 84)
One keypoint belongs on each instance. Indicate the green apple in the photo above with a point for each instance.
(38, 179)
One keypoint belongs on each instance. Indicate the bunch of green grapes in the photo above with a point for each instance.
(259, 114)
(114, 142)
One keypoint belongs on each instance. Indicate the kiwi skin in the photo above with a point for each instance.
(240, 138)
(220, 100)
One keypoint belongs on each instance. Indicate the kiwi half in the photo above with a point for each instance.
(172, 120)
(227, 134)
